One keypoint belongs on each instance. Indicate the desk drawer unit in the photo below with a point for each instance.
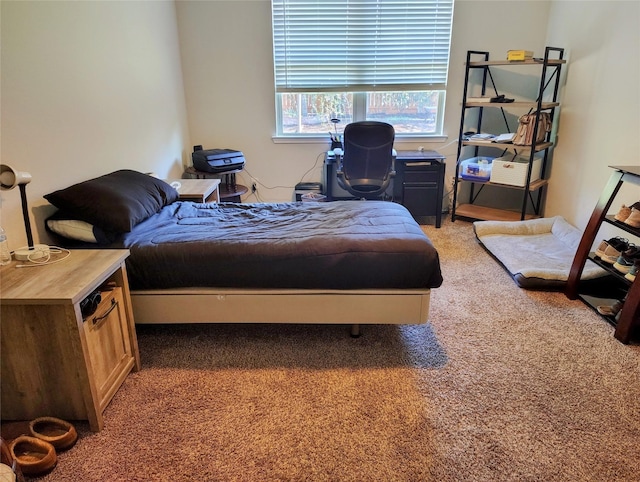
(420, 190)
(421, 186)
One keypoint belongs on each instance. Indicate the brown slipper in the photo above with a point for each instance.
(34, 456)
(59, 433)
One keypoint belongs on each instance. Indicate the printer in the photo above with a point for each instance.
(217, 161)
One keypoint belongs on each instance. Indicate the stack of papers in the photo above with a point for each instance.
(482, 137)
(508, 137)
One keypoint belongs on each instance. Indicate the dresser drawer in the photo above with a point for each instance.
(420, 177)
(421, 201)
(108, 344)
(421, 172)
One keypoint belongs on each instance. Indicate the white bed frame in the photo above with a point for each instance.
(222, 305)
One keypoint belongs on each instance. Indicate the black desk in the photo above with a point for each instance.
(418, 184)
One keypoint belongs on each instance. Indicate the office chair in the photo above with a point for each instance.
(366, 167)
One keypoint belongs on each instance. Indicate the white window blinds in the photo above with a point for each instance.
(361, 45)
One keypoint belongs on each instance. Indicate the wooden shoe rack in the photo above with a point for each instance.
(628, 320)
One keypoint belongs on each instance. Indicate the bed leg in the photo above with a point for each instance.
(355, 331)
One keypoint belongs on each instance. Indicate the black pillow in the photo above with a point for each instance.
(115, 202)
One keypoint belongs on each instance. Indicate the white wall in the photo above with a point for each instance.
(490, 26)
(228, 73)
(600, 113)
(229, 83)
(87, 88)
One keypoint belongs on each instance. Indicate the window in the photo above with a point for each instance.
(360, 59)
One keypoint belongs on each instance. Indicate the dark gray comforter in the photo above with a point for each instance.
(338, 245)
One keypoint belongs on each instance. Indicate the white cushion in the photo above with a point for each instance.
(535, 251)
(73, 229)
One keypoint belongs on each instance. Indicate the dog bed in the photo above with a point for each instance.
(537, 253)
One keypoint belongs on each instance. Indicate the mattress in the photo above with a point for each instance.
(338, 245)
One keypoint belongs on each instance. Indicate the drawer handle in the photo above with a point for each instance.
(418, 163)
(98, 319)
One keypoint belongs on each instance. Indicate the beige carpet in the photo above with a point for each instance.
(503, 385)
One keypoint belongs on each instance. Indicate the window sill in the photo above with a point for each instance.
(325, 140)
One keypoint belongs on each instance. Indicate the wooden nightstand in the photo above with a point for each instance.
(54, 362)
(198, 190)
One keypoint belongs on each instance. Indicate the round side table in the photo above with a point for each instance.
(229, 190)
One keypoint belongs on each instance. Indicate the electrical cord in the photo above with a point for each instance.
(319, 156)
(315, 164)
(46, 259)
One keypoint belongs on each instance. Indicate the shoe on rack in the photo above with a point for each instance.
(626, 260)
(634, 218)
(623, 213)
(618, 243)
(610, 310)
(613, 252)
(631, 275)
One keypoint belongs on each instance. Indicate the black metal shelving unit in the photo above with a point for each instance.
(548, 86)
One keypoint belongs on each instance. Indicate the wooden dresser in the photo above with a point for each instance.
(55, 361)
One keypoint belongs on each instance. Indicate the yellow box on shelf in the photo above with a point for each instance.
(519, 55)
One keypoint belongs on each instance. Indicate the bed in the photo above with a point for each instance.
(348, 262)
